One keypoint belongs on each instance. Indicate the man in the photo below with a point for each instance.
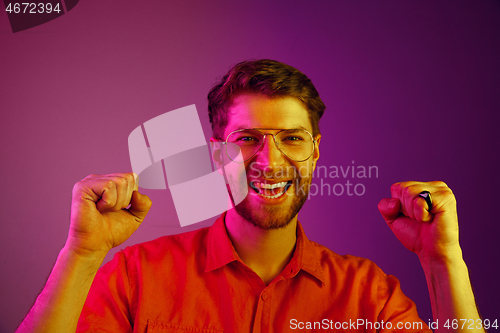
(254, 270)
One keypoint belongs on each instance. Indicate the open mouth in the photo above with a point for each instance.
(270, 191)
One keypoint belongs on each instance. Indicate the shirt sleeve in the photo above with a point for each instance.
(107, 308)
(399, 313)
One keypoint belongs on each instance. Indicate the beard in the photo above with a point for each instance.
(276, 216)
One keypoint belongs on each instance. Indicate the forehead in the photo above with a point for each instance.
(260, 111)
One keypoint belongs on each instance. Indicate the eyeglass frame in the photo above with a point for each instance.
(274, 139)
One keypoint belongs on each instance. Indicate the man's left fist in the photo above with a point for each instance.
(430, 234)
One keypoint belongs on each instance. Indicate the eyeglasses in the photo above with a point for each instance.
(296, 144)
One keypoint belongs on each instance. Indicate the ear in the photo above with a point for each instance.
(316, 150)
(216, 147)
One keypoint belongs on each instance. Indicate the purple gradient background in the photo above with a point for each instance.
(410, 86)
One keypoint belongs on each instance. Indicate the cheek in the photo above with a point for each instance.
(252, 171)
(305, 169)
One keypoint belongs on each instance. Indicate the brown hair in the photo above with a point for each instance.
(268, 77)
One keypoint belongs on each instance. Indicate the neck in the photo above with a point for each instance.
(266, 252)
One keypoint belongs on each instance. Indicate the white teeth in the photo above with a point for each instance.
(266, 186)
(272, 196)
(269, 186)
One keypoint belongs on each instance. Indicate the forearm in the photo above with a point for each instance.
(60, 303)
(451, 294)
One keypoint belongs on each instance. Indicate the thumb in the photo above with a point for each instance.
(389, 208)
(139, 206)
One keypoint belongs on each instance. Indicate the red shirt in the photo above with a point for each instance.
(195, 282)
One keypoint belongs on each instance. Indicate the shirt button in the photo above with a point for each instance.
(264, 297)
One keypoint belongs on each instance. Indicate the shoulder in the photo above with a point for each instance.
(350, 272)
(352, 267)
(172, 247)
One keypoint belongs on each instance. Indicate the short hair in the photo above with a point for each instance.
(267, 77)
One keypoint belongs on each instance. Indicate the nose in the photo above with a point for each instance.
(269, 155)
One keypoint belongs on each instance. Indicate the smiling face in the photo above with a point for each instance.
(277, 185)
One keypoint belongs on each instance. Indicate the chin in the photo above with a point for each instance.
(270, 217)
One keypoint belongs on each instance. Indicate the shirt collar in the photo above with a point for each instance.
(306, 256)
(220, 252)
(220, 249)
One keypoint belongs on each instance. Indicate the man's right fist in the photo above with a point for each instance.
(105, 211)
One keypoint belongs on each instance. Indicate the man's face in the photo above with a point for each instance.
(277, 207)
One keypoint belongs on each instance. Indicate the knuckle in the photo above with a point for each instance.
(77, 186)
(109, 184)
(129, 178)
(439, 183)
(448, 195)
(409, 190)
(121, 182)
(82, 184)
(395, 186)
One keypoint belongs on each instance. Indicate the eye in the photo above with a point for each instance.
(246, 138)
(293, 138)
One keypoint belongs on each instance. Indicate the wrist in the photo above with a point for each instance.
(86, 247)
(450, 260)
(81, 258)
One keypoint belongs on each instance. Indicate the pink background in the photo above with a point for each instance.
(410, 86)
